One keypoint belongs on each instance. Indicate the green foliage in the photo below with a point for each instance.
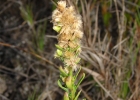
(106, 18)
(71, 86)
(39, 32)
(138, 18)
(27, 14)
(125, 87)
(41, 35)
(33, 96)
(54, 6)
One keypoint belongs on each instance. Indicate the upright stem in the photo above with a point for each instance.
(68, 24)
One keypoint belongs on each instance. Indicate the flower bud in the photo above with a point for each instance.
(69, 82)
(57, 28)
(63, 72)
(59, 52)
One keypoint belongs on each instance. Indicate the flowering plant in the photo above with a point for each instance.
(68, 24)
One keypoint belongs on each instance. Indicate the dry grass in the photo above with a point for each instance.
(110, 51)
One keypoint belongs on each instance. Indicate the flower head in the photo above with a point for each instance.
(69, 33)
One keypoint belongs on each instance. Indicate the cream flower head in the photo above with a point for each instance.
(68, 24)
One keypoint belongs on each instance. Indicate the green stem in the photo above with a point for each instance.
(73, 93)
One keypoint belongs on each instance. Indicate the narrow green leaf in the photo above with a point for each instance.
(58, 47)
(77, 73)
(60, 85)
(62, 72)
(81, 79)
(76, 98)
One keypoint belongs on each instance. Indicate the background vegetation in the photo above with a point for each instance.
(110, 50)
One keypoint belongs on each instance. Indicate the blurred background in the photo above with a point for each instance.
(110, 50)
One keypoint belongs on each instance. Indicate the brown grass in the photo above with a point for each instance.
(110, 51)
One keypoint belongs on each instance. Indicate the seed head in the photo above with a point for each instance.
(68, 24)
